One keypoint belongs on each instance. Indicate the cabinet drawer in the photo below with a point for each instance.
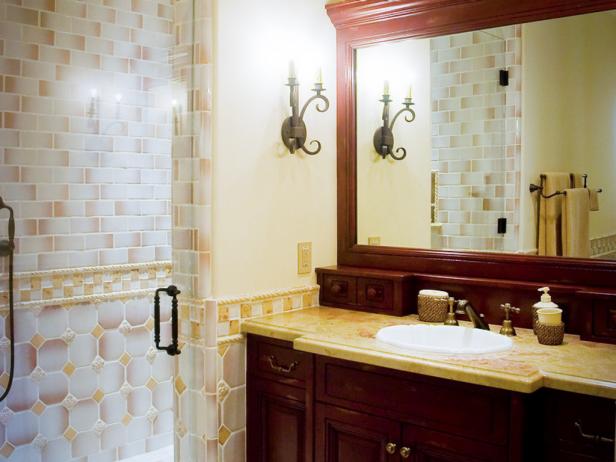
(595, 417)
(375, 293)
(604, 318)
(462, 409)
(339, 289)
(277, 360)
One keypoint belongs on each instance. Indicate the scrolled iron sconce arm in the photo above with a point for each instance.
(384, 137)
(293, 130)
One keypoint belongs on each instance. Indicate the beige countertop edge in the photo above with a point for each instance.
(419, 366)
(582, 385)
(279, 333)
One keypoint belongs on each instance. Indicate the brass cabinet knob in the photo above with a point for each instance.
(390, 448)
(405, 452)
(336, 288)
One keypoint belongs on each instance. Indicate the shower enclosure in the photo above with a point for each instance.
(103, 147)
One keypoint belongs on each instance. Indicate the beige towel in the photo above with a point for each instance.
(594, 199)
(576, 223)
(550, 214)
(577, 180)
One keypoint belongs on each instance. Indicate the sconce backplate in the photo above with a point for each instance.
(293, 137)
(383, 141)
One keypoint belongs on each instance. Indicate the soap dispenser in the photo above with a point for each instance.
(545, 302)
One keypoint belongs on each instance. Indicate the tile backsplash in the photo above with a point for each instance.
(85, 136)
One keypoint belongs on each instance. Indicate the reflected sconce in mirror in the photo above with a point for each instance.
(384, 137)
(294, 128)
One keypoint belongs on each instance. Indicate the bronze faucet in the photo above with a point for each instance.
(464, 307)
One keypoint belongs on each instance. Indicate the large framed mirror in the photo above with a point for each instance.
(478, 138)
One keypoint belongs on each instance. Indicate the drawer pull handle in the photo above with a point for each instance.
(390, 448)
(273, 362)
(336, 288)
(593, 438)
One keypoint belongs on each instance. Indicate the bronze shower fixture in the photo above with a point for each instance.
(294, 128)
(383, 139)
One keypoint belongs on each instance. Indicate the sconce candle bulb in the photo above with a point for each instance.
(293, 129)
(383, 139)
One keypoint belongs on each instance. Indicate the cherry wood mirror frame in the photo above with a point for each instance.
(364, 22)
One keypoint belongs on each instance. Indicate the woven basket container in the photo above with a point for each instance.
(550, 335)
(432, 305)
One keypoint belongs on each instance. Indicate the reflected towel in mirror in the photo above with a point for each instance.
(576, 223)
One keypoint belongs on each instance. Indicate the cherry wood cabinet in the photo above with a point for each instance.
(305, 408)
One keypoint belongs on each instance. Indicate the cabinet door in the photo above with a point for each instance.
(431, 446)
(276, 422)
(348, 436)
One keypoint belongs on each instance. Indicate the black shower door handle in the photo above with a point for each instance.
(173, 292)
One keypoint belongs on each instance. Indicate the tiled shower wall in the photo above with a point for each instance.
(88, 384)
(476, 137)
(85, 140)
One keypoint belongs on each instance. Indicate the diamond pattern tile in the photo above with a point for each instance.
(126, 419)
(38, 408)
(6, 450)
(97, 331)
(37, 340)
(151, 383)
(98, 395)
(70, 434)
(180, 386)
(125, 359)
(69, 368)
(223, 434)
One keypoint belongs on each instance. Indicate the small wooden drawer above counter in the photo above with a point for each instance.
(377, 291)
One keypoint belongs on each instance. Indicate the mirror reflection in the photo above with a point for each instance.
(499, 140)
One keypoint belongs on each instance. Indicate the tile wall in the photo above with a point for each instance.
(88, 385)
(85, 135)
(476, 137)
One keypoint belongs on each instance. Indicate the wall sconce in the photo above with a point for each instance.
(293, 128)
(384, 137)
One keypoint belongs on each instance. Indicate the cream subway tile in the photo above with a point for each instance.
(22, 192)
(68, 141)
(128, 177)
(36, 140)
(85, 191)
(10, 66)
(54, 226)
(22, 15)
(85, 225)
(115, 191)
(99, 241)
(70, 8)
(132, 239)
(20, 121)
(53, 123)
(53, 55)
(10, 138)
(100, 13)
(127, 50)
(52, 191)
(113, 64)
(145, 6)
(70, 108)
(35, 244)
(114, 224)
(83, 159)
(36, 175)
(72, 242)
(23, 86)
(70, 41)
(70, 175)
(82, 59)
(115, 32)
(84, 27)
(56, 22)
(68, 209)
(56, 260)
(113, 256)
(9, 174)
(37, 35)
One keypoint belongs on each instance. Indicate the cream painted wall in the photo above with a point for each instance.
(265, 200)
(569, 101)
(393, 197)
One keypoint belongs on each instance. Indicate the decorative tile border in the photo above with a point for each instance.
(603, 246)
(231, 311)
(85, 285)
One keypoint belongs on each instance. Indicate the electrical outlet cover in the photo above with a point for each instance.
(304, 257)
(374, 240)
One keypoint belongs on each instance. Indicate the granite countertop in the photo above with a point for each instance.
(576, 365)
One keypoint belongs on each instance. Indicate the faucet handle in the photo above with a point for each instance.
(508, 328)
(451, 315)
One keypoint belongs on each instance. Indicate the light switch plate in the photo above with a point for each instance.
(374, 240)
(304, 257)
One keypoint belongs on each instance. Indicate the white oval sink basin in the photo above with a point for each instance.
(451, 340)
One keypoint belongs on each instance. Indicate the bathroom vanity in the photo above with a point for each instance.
(317, 391)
